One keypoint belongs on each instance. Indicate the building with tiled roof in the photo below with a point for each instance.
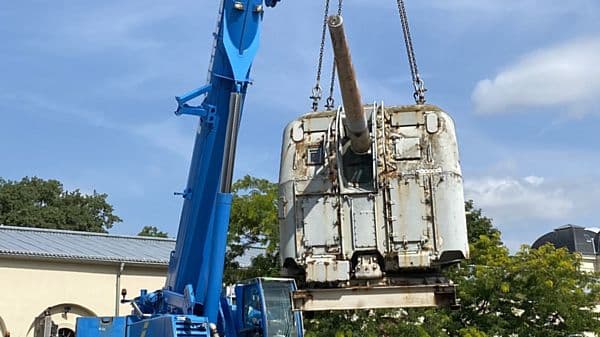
(575, 239)
(50, 277)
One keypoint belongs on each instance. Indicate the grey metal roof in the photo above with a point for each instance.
(574, 238)
(83, 246)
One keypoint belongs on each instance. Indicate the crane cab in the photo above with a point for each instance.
(263, 308)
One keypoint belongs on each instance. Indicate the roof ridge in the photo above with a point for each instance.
(82, 233)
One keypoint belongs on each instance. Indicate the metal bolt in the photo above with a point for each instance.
(258, 9)
(238, 5)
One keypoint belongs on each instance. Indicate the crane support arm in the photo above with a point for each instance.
(194, 278)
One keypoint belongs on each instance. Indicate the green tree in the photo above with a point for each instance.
(532, 293)
(536, 292)
(409, 322)
(477, 223)
(471, 332)
(35, 202)
(253, 228)
(484, 239)
(153, 231)
(378, 323)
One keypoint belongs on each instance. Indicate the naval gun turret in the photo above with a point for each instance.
(371, 203)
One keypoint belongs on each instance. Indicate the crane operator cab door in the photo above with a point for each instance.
(264, 309)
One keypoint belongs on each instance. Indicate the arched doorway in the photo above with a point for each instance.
(3, 329)
(58, 320)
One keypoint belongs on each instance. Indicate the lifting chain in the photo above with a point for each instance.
(418, 83)
(317, 91)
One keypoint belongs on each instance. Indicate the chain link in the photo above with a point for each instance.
(317, 91)
(330, 104)
(418, 83)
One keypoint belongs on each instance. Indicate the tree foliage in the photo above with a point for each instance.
(253, 230)
(153, 231)
(478, 224)
(35, 202)
(377, 323)
(535, 292)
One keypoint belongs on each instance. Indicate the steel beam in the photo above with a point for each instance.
(414, 296)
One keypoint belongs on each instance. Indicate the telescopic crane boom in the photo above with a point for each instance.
(191, 302)
(370, 205)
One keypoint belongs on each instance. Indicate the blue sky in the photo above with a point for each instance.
(86, 95)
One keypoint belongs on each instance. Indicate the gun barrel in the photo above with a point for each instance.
(356, 121)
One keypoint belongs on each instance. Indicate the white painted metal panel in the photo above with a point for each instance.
(363, 221)
(319, 219)
(414, 215)
(409, 213)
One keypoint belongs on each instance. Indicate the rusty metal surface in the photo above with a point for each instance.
(355, 117)
(416, 296)
(409, 213)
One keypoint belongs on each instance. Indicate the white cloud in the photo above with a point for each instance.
(53, 109)
(172, 134)
(104, 27)
(509, 199)
(534, 180)
(168, 135)
(523, 208)
(565, 74)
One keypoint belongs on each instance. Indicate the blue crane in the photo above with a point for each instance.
(392, 228)
(191, 303)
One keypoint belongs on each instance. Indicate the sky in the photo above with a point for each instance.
(87, 94)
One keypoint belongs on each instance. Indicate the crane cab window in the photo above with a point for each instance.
(280, 317)
(252, 308)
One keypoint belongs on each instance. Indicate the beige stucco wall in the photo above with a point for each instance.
(588, 264)
(28, 287)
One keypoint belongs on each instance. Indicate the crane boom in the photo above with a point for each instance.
(371, 206)
(199, 252)
(192, 302)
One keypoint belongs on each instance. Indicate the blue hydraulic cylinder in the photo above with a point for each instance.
(198, 257)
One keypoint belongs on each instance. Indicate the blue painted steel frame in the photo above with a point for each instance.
(191, 298)
(194, 280)
(199, 253)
